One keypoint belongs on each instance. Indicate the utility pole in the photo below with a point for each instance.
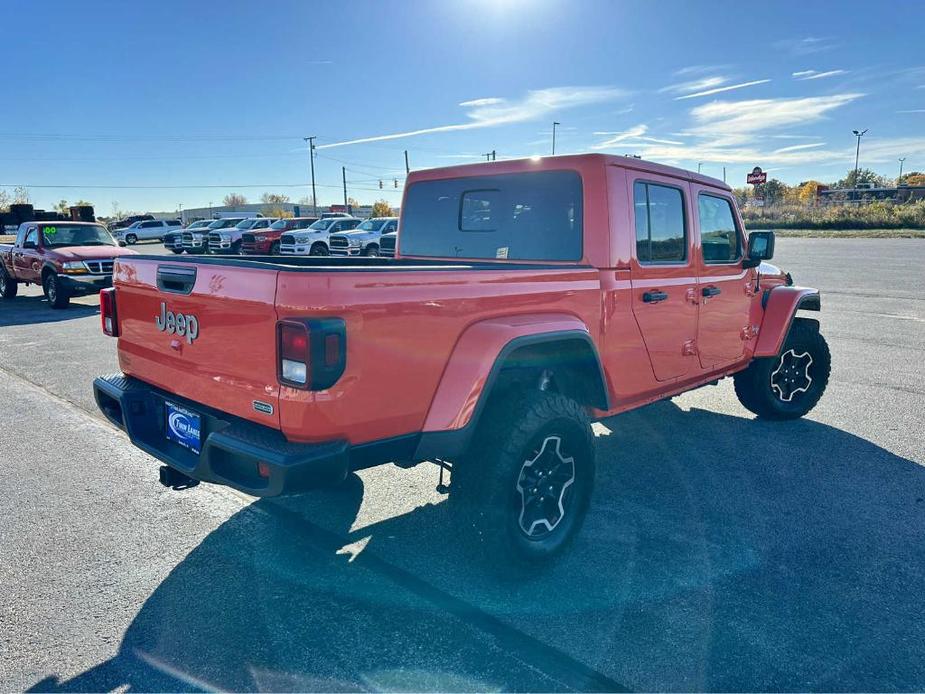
(857, 153)
(343, 171)
(490, 156)
(724, 174)
(554, 124)
(311, 159)
(899, 180)
(699, 164)
(407, 166)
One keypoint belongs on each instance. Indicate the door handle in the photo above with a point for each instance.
(654, 297)
(710, 291)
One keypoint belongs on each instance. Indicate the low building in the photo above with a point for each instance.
(864, 194)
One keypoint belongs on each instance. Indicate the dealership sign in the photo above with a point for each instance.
(756, 176)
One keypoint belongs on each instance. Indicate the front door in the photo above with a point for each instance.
(26, 260)
(663, 274)
(726, 289)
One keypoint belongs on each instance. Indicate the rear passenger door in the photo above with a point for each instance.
(663, 274)
(726, 289)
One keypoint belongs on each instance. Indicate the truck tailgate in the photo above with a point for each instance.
(205, 332)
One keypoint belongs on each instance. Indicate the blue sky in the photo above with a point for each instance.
(143, 95)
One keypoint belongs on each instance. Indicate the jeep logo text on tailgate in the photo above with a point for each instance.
(180, 323)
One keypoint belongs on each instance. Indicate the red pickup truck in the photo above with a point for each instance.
(65, 258)
(528, 298)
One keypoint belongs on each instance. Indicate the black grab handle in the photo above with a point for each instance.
(654, 297)
(179, 280)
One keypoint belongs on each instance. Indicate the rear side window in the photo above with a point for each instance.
(661, 234)
(528, 216)
(718, 234)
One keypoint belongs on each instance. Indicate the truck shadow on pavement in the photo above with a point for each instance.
(27, 310)
(720, 553)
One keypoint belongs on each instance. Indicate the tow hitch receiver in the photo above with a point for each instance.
(175, 479)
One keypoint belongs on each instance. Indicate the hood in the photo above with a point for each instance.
(90, 252)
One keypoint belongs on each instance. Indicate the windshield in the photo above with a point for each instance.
(281, 224)
(200, 224)
(370, 225)
(223, 223)
(60, 235)
(246, 224)
(322, 224)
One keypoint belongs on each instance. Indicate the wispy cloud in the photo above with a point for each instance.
(754, 115)
(630, 137)
(320, 62)
(490, 101)
(912, 110)
(743, 132)
(805, 46)
(495, 111)
(698, 69)
(794, 148)
(729, 88)
(694, 85)
(814, 75)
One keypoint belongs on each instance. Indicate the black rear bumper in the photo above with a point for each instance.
(231, 447)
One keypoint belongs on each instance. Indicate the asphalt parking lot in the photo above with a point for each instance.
(720, 552)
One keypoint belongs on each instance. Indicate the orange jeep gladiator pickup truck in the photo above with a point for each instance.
(527, 299)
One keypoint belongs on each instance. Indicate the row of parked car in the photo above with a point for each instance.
(332, 234)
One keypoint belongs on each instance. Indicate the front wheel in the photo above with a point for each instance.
(525, 485)
(789, 385)
(131, 239)
(8, 286)
(319, 249)
(274, 248)
(57, 295)
(371, 252)
(178, 251)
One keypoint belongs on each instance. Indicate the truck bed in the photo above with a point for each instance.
(403, 319)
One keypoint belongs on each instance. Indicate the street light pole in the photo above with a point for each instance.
(900, 178)
(699, 165)
(311, 158)
(343, 171)
(857, 153)
(554, 124)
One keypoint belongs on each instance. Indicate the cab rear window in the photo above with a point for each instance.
(528, 216)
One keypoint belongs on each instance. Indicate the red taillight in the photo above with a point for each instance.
(293, 354)
(108, 316)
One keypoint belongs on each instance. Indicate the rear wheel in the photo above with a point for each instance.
(8, 286)
(131, 239)
(789, 385)
(319, 249)
(525, 485)
(57, 295)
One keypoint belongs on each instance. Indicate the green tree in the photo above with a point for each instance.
(62, 206)
(773, 191)
(234, 200)
(865, 177)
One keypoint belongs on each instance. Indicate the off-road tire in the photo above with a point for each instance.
(274, 248)
(756, 389)
(319, 249)
(8, 286)
(131, 239)
(517, 429)
(57, 295)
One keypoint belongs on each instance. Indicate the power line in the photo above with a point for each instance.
(176, 187)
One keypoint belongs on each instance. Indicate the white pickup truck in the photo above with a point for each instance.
(315, 240)
(364, 240)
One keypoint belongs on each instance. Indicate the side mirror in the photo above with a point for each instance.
(760, 247)
(122, 243)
